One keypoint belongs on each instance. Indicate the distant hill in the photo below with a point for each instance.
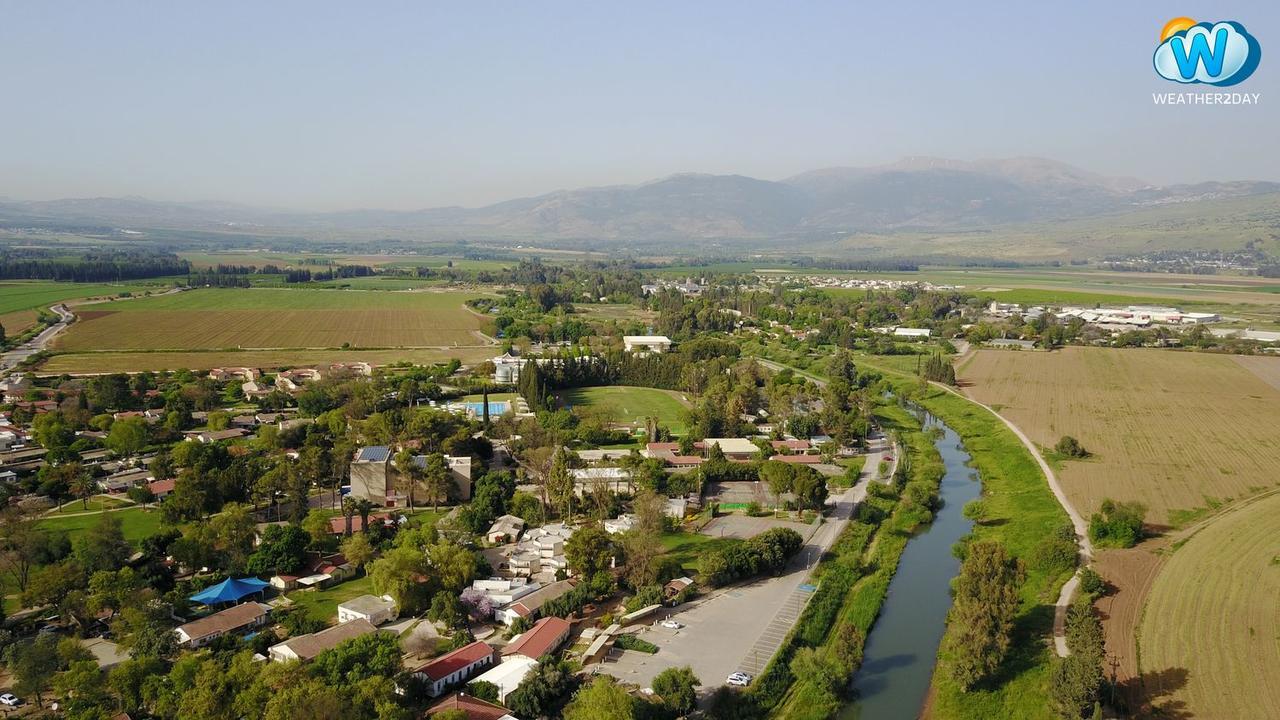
(915, 195)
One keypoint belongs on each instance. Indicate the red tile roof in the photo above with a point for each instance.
(545, 636)
(160, 487)
(338, 525)
(685, 460)
(791, 444)
(475, 708)
(449, 663)
(798, 459)
(663, 447)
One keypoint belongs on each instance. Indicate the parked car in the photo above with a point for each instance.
(739, 679)
(672, 624)
(10, 700)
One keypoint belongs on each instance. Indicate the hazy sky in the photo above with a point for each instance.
(322, 105)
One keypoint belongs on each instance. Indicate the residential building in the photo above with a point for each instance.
(237, 618)
(306, 647)
(912, 333)
(544, 637)
(474, 708)
(528, 605)
(231, 373)
(375, 477)
(508, 674)
(734, 448)
(316, 572)
(614, 479)
(455, 667)
(375, 610)
(505, 529)
(646, 343)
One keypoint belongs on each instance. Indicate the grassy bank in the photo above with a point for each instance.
(1021, 511)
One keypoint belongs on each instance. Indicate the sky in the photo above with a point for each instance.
(326, 105)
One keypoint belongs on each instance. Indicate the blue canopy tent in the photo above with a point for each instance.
(228, 591)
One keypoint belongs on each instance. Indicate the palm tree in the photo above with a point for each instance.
(80, 484)
(348, 509)
(364, 507)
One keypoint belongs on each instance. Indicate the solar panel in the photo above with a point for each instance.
(376, 453)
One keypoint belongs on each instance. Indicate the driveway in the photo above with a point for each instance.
(739, 628)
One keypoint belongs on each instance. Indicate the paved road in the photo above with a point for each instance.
(739, 629)
(17, 355)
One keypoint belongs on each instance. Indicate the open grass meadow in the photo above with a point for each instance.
(1210, 626)
(21, 300)
(264, 318)
(136, 523)
(1176, 431)
(688, 548)
(631, 405)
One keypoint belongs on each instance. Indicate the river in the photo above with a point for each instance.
(900, 652)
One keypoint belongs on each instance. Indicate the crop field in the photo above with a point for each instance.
(262, 318)
(631, 405)
(111, 362)
(1177, 431)
(1210, 627)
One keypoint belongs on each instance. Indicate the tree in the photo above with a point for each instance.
(1077, 678)
(778, 476)
(678, 689)
(233, 531)
(24, 546)
(79, 483)
(128, 436)
(376, 654)
(282, 550)
(560, 485)
(603, 699)
(1117, 524)
(589, 550)
(980, 622)
(454, 565)
(436, 480)
(1069, 447)
(542, 690)
(810, 488)
(446, 609)
(357, 550)
(396, 574)
(408, 474)
(484, 690)
(102, 546)
(33, 665)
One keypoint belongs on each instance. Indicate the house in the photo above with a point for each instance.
(316, 572)
(375, 477)
(362, 369)
(306, 647)
(508, 674)
(544, 637)
(646, 343)
(734, 448)
(473, 708)
(674, 587)
(232, 373)
(161, 488)
(254, 390)
(375, 610)
(213, 436)
(621, 524)
(791, 445)
(454, 667)
(527, 605)
(338, 525)
(237, 618)
(505, 529)
(614, 479)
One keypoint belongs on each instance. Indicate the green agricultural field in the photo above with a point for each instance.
(265, 319)
(20, 300)
(112, 362)
(631, 405)
(137, 523)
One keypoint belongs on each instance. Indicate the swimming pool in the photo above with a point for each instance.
(496, 407)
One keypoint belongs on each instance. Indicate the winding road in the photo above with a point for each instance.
(16, 356)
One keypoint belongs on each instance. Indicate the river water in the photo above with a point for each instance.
(900, 652)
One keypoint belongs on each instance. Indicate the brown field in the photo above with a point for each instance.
(17, 322)
(1211, 623)
(1130, 574)
(109, 362)
(1177, 431)
(264, 319)
(1267, 368)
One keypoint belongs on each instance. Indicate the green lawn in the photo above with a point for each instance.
(137, 523)
(323, 604)
(97, 502)
(631, 404)
(689, 547)
(299, 299)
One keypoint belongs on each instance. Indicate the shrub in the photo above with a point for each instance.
(1056, 553)
(631, 642)
(1118, 524)
(1091, 583)
(1070, 447)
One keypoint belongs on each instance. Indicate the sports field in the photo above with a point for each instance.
(265, 318)
(631, 405)
(1211, 623)
(1177, 431)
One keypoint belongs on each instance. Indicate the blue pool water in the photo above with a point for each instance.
(495, 407)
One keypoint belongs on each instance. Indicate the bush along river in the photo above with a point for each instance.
(902, 648)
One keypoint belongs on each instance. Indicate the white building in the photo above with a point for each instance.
(508, 674)
(913, 333)
(646, 343)
(505, 529)
(375, 610)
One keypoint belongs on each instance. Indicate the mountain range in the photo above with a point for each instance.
(913, 195)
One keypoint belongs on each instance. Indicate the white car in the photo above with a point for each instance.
(10, 700)
(672, 624)
(739, 679)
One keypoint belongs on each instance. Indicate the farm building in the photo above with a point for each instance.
(734, 448)
(646, 343)
(545, 636)
(912, 333)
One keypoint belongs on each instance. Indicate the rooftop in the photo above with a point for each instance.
(540, 639)
(307, 647)
(449, 663)
(224, 620)
(374, 454)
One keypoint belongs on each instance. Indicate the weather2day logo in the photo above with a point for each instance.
(1220, 54)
